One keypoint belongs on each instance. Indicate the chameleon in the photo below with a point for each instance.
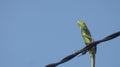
(86, 35)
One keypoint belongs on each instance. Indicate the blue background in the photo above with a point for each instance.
(34, 33)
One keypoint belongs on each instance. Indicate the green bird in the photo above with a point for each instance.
(88, 39)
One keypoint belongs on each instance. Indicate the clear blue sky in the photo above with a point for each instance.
(34, 33)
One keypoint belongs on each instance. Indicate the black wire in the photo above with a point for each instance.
(84, 50)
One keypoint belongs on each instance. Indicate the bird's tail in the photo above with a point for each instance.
(92, 59)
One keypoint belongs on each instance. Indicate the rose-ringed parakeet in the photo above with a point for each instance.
(88, 39)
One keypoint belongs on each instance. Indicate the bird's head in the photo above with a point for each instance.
(81, 23)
